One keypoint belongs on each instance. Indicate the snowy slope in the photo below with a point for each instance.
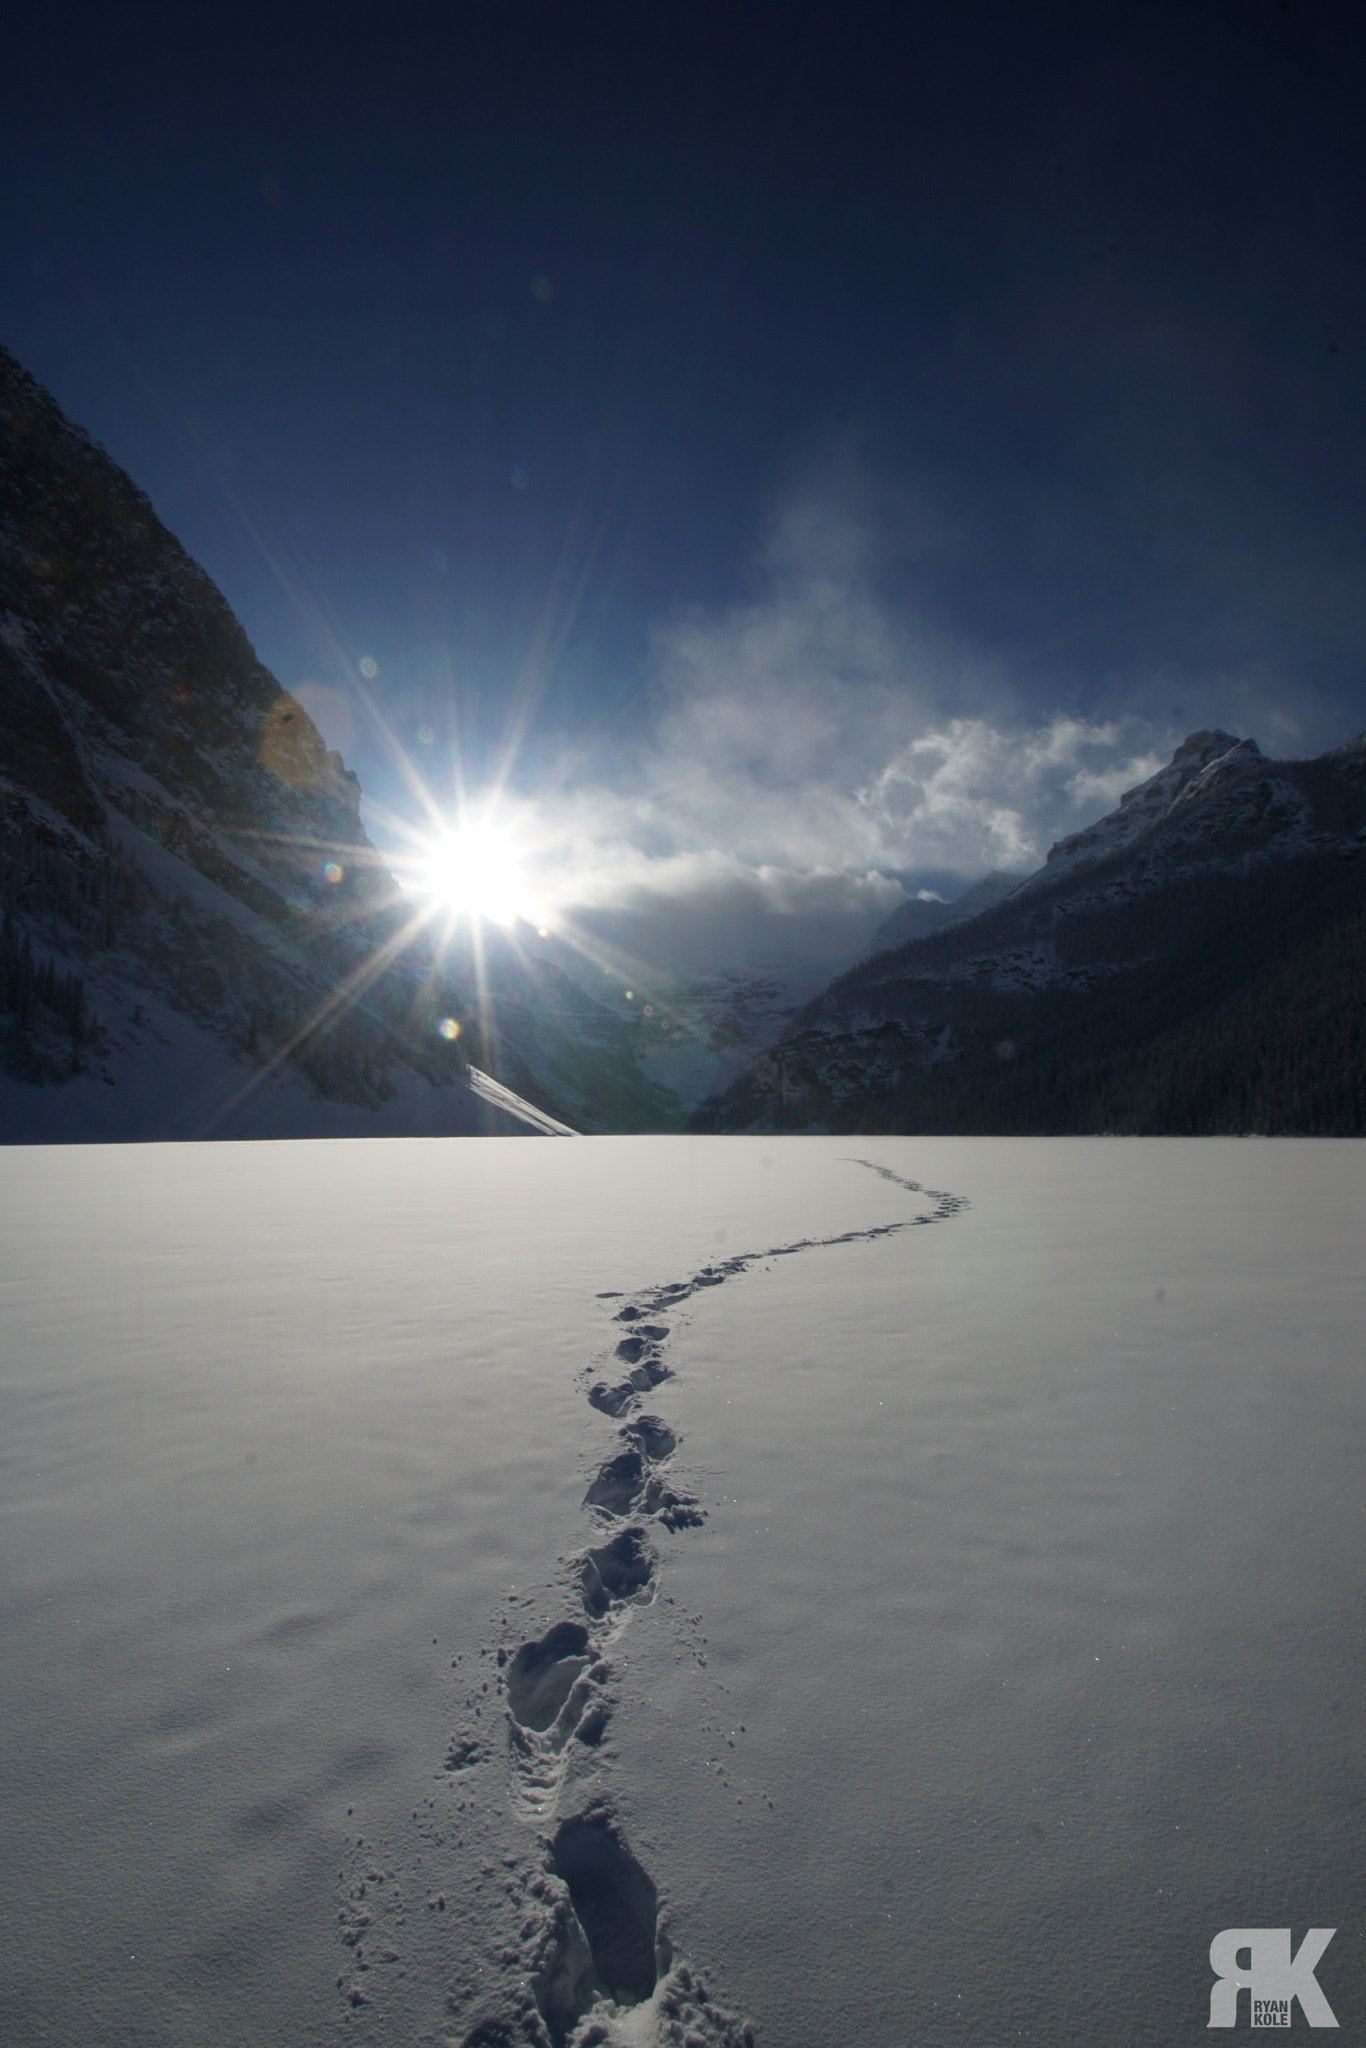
(1013, 1656)
(177, 843)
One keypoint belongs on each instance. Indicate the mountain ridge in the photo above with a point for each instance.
(1192, 962)
(918, 917)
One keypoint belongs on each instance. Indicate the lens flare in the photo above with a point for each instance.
(474, 871)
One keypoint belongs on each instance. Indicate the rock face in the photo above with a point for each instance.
(1201, 765)
(1194, 962)
(197, 936)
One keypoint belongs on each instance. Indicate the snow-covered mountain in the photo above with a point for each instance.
(696, 1033)
(1194, 961)
(1202, 765)
(693, 1033)
(919, 916)
(197, 936)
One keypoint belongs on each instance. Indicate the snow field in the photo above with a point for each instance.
(995, 1557)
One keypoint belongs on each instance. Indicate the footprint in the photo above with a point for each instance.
(642, 1355)
(675, 1510)
(616, 1571)
(626, 1485)
(615, 1904)
(598, 1940)
(541, 1675)
(652, 1435)
(620, 1483)
(554, 1695)
(679, 1513)
(611, 1400)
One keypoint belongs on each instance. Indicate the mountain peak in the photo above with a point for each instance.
(1200, 759)
(1192, 963)
(1201, 747)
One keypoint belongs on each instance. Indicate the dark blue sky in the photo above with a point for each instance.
(609, 376)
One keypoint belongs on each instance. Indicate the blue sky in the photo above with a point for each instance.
(796, 454)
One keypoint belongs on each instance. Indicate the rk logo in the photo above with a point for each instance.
(1272, 1975)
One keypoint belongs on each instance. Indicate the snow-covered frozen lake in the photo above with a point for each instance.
(1018, 1652)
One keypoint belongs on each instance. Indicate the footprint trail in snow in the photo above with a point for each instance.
(592, 1951)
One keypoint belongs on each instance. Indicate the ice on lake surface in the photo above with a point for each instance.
(934, 1635)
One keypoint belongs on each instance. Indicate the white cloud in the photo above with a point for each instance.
(802, 749)
(751, 851)
(974, 794)
(809, 744)
(696, 912)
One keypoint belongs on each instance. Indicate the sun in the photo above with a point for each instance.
(475, 870)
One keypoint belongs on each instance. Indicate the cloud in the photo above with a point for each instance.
(810, 868)
(807, 762)
(816, 751)
(693, 913)
(975, 793)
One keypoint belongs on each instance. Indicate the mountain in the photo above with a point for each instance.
(918, 917)
(696, 1032)
(707, 1028)
(196, 935)
(1194, 962)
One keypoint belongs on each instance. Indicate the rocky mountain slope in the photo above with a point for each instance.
(1194, 962)
(196, 935)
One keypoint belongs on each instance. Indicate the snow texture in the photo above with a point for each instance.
(656, 1591)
